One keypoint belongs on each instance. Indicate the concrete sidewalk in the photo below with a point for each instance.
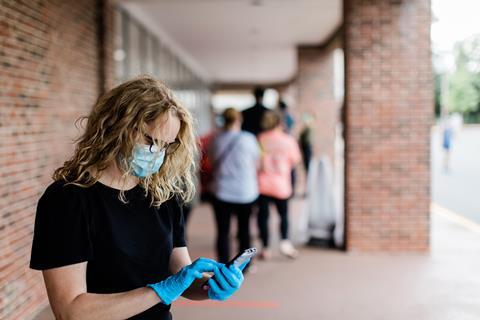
(321, 284)
(333, 285)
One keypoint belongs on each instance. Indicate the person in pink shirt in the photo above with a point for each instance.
(280, 153)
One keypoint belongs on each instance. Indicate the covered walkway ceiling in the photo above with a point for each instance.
(239, 41)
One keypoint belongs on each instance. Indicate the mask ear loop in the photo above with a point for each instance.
(159, 150)
(152, 144)
(155, 158)
(156, 153)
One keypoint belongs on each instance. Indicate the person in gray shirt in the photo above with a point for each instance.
(234, 154)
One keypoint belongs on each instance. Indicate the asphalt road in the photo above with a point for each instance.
(458, 189)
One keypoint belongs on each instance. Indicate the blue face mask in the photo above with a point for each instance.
(146, 160)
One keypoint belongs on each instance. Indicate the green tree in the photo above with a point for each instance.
(464, 83)
(463, 95)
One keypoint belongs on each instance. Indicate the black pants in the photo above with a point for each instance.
(293, 176)
(223, 212)
(306, 156)
(264, 212)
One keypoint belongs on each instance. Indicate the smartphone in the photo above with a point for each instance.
(242, 257)
(239, 259)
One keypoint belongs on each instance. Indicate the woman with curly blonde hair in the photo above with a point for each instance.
(109, 231)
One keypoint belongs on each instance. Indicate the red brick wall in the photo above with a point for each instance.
(389, 113)
(49, 75)
(106, 12)
(315, 96)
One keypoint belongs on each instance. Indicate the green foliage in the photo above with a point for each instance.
(464, 83)
(472, 117)
(463, 96)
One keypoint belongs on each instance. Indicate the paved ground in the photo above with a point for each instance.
(332, 285)
(457, 189)
(444, 284)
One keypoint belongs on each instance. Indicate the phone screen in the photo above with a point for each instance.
(240, 259)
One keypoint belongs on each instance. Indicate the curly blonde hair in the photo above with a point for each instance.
(118, 120)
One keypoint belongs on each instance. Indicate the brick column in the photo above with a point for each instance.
(106, 37)
(314, 84)
(49, 76)
(389, 112)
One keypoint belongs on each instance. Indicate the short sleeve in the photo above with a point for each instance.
(61, 235)
(178, 224)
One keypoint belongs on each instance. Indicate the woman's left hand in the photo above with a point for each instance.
(226, 282)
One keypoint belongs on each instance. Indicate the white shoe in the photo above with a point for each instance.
(288, 250)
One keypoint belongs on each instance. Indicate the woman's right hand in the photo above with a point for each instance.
(171, 288)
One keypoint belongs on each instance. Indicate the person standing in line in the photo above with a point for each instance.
(252, 117)
(205, 166)
(280, 153)
(203, 176)
(288, 123)
(447, 137)
(109, 231)
(306, 148)
(234, 156)
(287, 118)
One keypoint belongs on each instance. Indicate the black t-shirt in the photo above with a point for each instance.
(252, 118)
(127, 245)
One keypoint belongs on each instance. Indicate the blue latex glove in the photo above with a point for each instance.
(226, 282)
(171, 288)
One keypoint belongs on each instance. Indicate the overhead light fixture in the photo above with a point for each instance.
(257, 3)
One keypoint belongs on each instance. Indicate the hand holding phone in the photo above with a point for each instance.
(228, 279)
(240, 259)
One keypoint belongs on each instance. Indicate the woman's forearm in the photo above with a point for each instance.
(110, 306)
